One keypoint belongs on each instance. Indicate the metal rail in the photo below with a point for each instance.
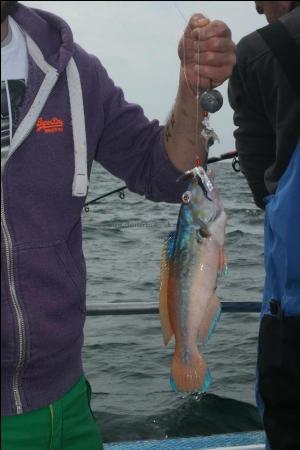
(123, 309)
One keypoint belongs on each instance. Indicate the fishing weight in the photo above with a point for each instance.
(211, 100)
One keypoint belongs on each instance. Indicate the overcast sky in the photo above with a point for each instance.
(137, 43)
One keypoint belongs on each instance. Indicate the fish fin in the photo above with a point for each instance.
(170, 245)
(204, 229)
(210, 320)
(192, 376)
(166, 254)
(223, 268)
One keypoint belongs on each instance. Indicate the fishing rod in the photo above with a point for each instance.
(229, 155)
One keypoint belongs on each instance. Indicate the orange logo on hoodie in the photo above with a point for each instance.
(54, 125)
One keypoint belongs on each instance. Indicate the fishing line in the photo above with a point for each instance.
(197, 108)
(210, 100)
(197, 97)
(183, 46)
(180, 12)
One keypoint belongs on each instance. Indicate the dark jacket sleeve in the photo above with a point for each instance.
(131, 146)
(255, 138)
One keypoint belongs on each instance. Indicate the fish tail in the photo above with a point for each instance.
(189, 374)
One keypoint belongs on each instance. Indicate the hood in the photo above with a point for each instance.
(52, 35)
(50, 44)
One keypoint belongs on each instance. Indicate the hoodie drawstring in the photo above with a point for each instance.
(80, 179)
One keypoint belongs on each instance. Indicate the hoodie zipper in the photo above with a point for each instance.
(46, 88)
(16, 305)
(12, 289)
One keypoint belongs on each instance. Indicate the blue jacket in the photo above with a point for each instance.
(282, 241)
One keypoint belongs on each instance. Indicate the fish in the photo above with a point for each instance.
(191, 260)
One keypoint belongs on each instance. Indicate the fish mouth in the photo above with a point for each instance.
(199, 174)
(192, 173)
(188, 175)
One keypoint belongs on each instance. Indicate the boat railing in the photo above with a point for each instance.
(123, 309)
(215, 442)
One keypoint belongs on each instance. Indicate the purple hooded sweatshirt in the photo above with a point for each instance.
(72, 115)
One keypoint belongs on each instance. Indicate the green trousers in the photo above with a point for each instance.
(66, 424)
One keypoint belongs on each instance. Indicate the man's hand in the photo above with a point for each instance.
(207, 54)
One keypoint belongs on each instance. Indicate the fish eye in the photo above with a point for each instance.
(186, 197)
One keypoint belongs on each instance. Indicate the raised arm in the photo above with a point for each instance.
(150, 157)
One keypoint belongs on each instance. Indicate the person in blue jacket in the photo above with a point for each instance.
(264, 91)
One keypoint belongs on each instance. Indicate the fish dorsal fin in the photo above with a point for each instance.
(165, 261)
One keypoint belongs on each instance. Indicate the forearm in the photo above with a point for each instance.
(182, 135)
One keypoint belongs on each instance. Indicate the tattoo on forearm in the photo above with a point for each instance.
(170, 124)
(172, 121)
(167, 133)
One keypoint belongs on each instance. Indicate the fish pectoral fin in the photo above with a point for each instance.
(166, 257)
(210, 320)
(170, 245)
(203, 231)
(223, 267)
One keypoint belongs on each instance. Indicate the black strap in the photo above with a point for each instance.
(285, 50)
